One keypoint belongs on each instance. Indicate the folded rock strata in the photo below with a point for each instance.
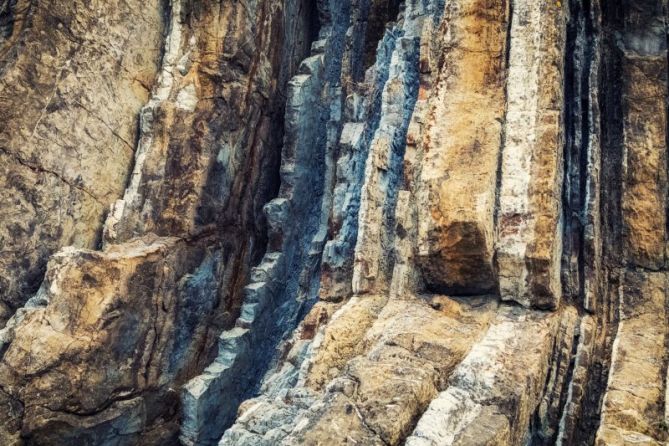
(362, 222)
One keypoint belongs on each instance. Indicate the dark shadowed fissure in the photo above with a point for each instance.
(578, 60)
(6, 18)
(611, 114)
(285, 284)
(380, 14)
(308, 14)
(337, 17)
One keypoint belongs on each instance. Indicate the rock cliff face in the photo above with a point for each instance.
(334, 222)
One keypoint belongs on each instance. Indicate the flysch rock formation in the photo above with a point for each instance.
(334, 222)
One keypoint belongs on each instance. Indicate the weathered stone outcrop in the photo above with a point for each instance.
(634, 408)
(529, 241)
(286, 282)
(73, 77)
(274, 296)
(119, 325)
(459, 167)
(363, 222)
(368, 375)
(582, 261)
(634, 394)
(122, 329)
(499, 385)
(644, 139)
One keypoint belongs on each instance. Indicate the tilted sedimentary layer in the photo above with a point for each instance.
(334, 222)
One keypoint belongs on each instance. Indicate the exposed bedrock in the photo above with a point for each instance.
(323, 163)
(207, 141)
(334, 222)
(529, 219)
(462, 143)
(634, 407)
(73, 77)
(96, 323)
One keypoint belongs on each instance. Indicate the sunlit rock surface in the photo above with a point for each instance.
(333, 222)
(456, 187)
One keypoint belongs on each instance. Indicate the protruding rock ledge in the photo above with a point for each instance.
(121, 325)
(456, 187)
(492, 394)
(366, 376)
(529, 219)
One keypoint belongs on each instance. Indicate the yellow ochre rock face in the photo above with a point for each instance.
(461, 150)
(334, 222)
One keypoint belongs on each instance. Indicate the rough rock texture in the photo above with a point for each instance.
(462, 144)
(73, 77)
(334, 222)
(634, 405)
(529, 217)
(209, 126)
(99, 327)
(493, 393)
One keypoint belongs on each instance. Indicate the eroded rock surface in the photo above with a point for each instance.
(333, 222)
(463, 140)
(530, 214)
(74, 75)
(209, 125)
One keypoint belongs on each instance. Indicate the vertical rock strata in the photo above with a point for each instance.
(286, 283)
(127, 326)
(272, 300)
(582, 241)
(459, 168)
(529, 244)
(362, 222)
(644, 175)
(383, 171)
(634, 407)
(633, 410)
(328, 377)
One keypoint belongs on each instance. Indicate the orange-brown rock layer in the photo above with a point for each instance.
(461, 152)
(128, 325)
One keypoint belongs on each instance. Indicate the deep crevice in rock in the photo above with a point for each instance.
(578, 60)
